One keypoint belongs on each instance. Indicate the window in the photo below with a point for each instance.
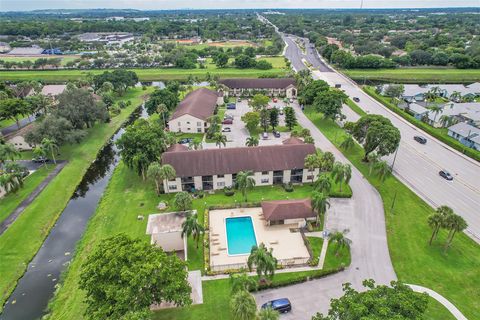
(264, 172)
(265, 180)
(172, 187)
(199, 124)
(188, 122)
(220, 176)
(221, 184)
(199, 130)
(179, 124)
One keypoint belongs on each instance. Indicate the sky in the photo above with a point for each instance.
(25, 5)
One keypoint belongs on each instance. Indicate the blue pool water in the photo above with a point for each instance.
(240, 235)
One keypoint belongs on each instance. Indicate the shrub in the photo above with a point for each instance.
(228, 191)
(288, 187)
(115, 111)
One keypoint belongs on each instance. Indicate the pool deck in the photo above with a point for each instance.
(288, 247)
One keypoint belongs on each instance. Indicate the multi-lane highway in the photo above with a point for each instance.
(416, 165)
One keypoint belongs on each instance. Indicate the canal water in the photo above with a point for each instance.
(30, 298)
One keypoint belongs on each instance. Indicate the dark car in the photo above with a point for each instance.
(420, 139)
(446, 175)
(356, 99)
(185, 140)
(40, 159)
(276, 134)
(281, 305)
(231, 106)
(227, 121)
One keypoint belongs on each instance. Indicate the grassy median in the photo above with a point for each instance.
(19, 244)
(454, 274)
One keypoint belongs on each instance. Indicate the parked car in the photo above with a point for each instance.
(281, 305)
(420, 139)
(239, 99)
(40, 159)
(275, 100)
(226, 129)
(185, 140)
(338, 85)
(291, 100)
(227, 121)
(356, 99)
(231, 106)
(276, 134)
(264, 136)
(228, 116)
(446, 175)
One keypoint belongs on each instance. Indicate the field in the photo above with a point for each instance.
(454, 274)
(21, 241)
(415, 75)
(221, 44)
(128, 196)
(279, 69)
(64, 59)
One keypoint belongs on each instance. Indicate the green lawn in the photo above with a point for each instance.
(12, 200)
(439, 133)
(126, 197)
(20, 242)
(279, 69)
(415, 75)
(455, 274)
(64, 59)
(6, 123)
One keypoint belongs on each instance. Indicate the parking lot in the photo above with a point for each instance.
(238, 134)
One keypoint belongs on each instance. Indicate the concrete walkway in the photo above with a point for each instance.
(5, 224)
(447, 304)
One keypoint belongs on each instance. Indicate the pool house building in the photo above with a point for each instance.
(213, 169)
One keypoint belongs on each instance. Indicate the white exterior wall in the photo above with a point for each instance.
(167, 184)
(258, 176)
(287, 174)
(187, 123)
(19, 143)
(307, 173)
(225, 181)
(291, 92)
(197, 180)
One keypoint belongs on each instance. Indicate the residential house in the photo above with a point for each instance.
(53, 90)
(166, 232)
(275, 87)
(193, 111)
(417, 110)
(466, 134)
(213, 169)
(460, 112)
(417, 93)
(288, 212)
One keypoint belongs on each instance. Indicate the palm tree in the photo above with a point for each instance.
(320, 204)
(311, 162)
(445, 120)
(456, 224)
(372, 158)
(436, 109)
(167, 172)
(11, 182)
(244, 182)
(220, 139)
(40, 152)
(327, 159)
(309, 140)
(263, 260)
(437, 220)
(50, 145)
(383, 169)
(183, 201)
(348, 143)
(195, 144)
(456, 96)
(7, 152)
(242, 281)
(340, 240)
(191, 227)
(154, 172)
(243, 306)
(161, 110)
(268, 314)
(252, 141)
(341, 173)
(323, 184)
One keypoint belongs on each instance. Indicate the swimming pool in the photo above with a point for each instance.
(240, 235)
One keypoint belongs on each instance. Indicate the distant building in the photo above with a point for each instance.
(53, 90)
(213, 169)
(466, 134)
(276, 87)
(416, 110)
(26, 51)
(106, 37)
(461, 112)
(141, 19)
(4, 47)
(193, 111)
(417, 93)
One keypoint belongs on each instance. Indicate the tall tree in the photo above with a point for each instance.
(312, 162)
(50, 146)
(348, 143)
(220, 139)
(268, 314)
(438, 220)
(273, 118)
(244, 182)
(7, 152)
(330, 103)
(263, 260)
(251, 120)
(191, 227)
(290, 118)
(454, 223)
(320, 204)
(14, 108)
(342, 173)
(323, 184)
(154, 172)
(119, 271)
(252, 141)
(264, 119)
(340, 240)
(242, 282)
(259, 101)
(383, 169)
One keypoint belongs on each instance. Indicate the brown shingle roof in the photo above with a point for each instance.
(232, 160)
(293, 140)
(200, 103)
(261, 83)
(287, 209)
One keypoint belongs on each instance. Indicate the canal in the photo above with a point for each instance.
(30, 298)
